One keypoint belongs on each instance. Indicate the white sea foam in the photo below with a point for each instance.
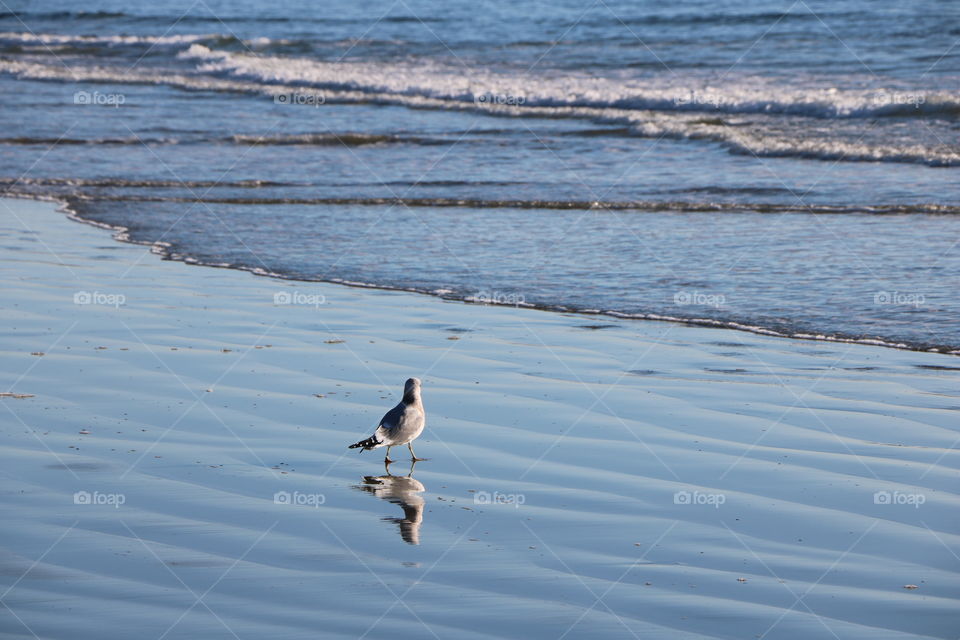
(652, 108)
(488, 88)
(56, 38)
(648, 112)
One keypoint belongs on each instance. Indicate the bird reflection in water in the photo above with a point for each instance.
(404, 491)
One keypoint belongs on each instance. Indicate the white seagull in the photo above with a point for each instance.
(401, 425)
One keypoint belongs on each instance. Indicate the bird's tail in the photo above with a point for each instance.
(367, 444)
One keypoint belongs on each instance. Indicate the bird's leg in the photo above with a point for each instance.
(386, 459)
(413, 456)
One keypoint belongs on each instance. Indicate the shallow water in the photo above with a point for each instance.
(788, 167)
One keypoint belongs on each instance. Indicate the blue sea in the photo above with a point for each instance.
(788, 168)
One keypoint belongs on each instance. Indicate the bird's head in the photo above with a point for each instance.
(411, 390)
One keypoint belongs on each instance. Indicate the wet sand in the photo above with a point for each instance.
(177, 466)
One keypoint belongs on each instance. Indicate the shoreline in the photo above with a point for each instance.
(652, 479)
(121, 234)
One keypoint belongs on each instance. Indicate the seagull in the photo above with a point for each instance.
(401, 425)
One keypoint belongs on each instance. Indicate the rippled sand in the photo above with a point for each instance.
(618, 480)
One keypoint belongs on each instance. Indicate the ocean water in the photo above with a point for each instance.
(780, 167)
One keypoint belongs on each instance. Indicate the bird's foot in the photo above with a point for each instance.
(388, 461)
(415, 459)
